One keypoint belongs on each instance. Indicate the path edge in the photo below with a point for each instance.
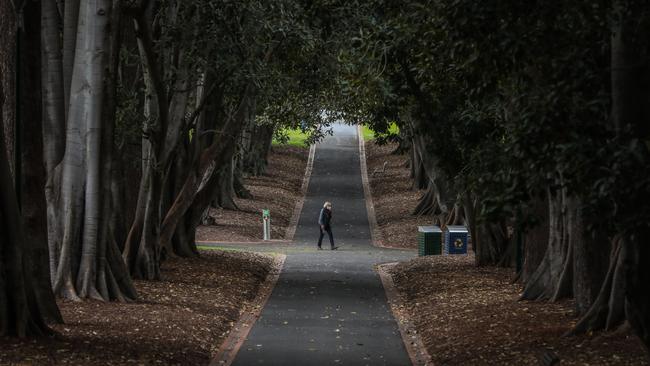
(237, 336)
(214, 243)
(411, 338)
(297, 210)
(375, 233)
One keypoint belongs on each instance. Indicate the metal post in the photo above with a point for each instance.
(266, 219)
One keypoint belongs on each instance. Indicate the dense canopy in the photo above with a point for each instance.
(124, 121)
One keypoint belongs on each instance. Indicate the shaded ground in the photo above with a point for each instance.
(393, 196)
(180, 320)
(468, 315)
(278, 190)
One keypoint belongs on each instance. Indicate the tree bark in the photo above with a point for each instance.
(552, 278)
(590, 258)
(33, 204)
(162, 135)
(19, 309)
(257, 150)
(624, 295)
(637, 276)
(70, 23)
(8, 75)
(54, 110)
(88, 265)
(214, 157)
(417, 169)
(535, 238)
(492, 245)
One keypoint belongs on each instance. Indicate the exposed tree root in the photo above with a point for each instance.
(240, 189)
(427, 205)
(637, 275)
(492, 245)
(608, 311)
(551, 280)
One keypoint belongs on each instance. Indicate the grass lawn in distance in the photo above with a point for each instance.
(296, 138)
(369, 134)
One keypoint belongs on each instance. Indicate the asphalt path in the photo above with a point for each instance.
(329, 307)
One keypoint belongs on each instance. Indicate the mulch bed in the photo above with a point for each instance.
(181, 320)
(278, 190)
(468, 315)
(393, 196)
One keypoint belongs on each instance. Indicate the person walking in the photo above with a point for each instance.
(325, 225)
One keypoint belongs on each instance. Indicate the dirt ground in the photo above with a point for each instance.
(468, 315)
(393, 196)
(180, 320)
(278, 190)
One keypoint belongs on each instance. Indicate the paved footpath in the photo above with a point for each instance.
(329, 307)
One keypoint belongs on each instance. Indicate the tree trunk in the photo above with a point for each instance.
(535, 238)
(20, 313)
(162, 135)
(54, 109)
(70, 23)
(119, 217)
(552, 279)
(88, 265)
(33, 179)
(439, 196)
(492, 245)
(590, 258)
(418, 174)
(225, 198)
(469, 206)
(193, 216)
(146, 262)
(624, 293)
(8, 76)
(607, 311)
(257, 151)
(134, 237)
(636, 273)
(217, 156)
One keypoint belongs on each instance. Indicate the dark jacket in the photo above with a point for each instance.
(325, 217)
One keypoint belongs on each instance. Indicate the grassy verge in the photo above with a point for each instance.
(295, 137)
(369, 134)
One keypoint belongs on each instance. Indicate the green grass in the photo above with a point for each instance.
(295, 138)
(369, 134)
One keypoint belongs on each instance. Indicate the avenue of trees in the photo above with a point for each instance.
(123, 121)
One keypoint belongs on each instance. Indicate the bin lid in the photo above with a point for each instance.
(456, 229)
(429, 229)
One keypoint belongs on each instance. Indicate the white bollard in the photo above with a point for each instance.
(266, 220)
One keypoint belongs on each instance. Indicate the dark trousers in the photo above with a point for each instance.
(322, 233)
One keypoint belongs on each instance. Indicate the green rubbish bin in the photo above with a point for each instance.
(429, 240)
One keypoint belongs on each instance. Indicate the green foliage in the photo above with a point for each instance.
(514, 95)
